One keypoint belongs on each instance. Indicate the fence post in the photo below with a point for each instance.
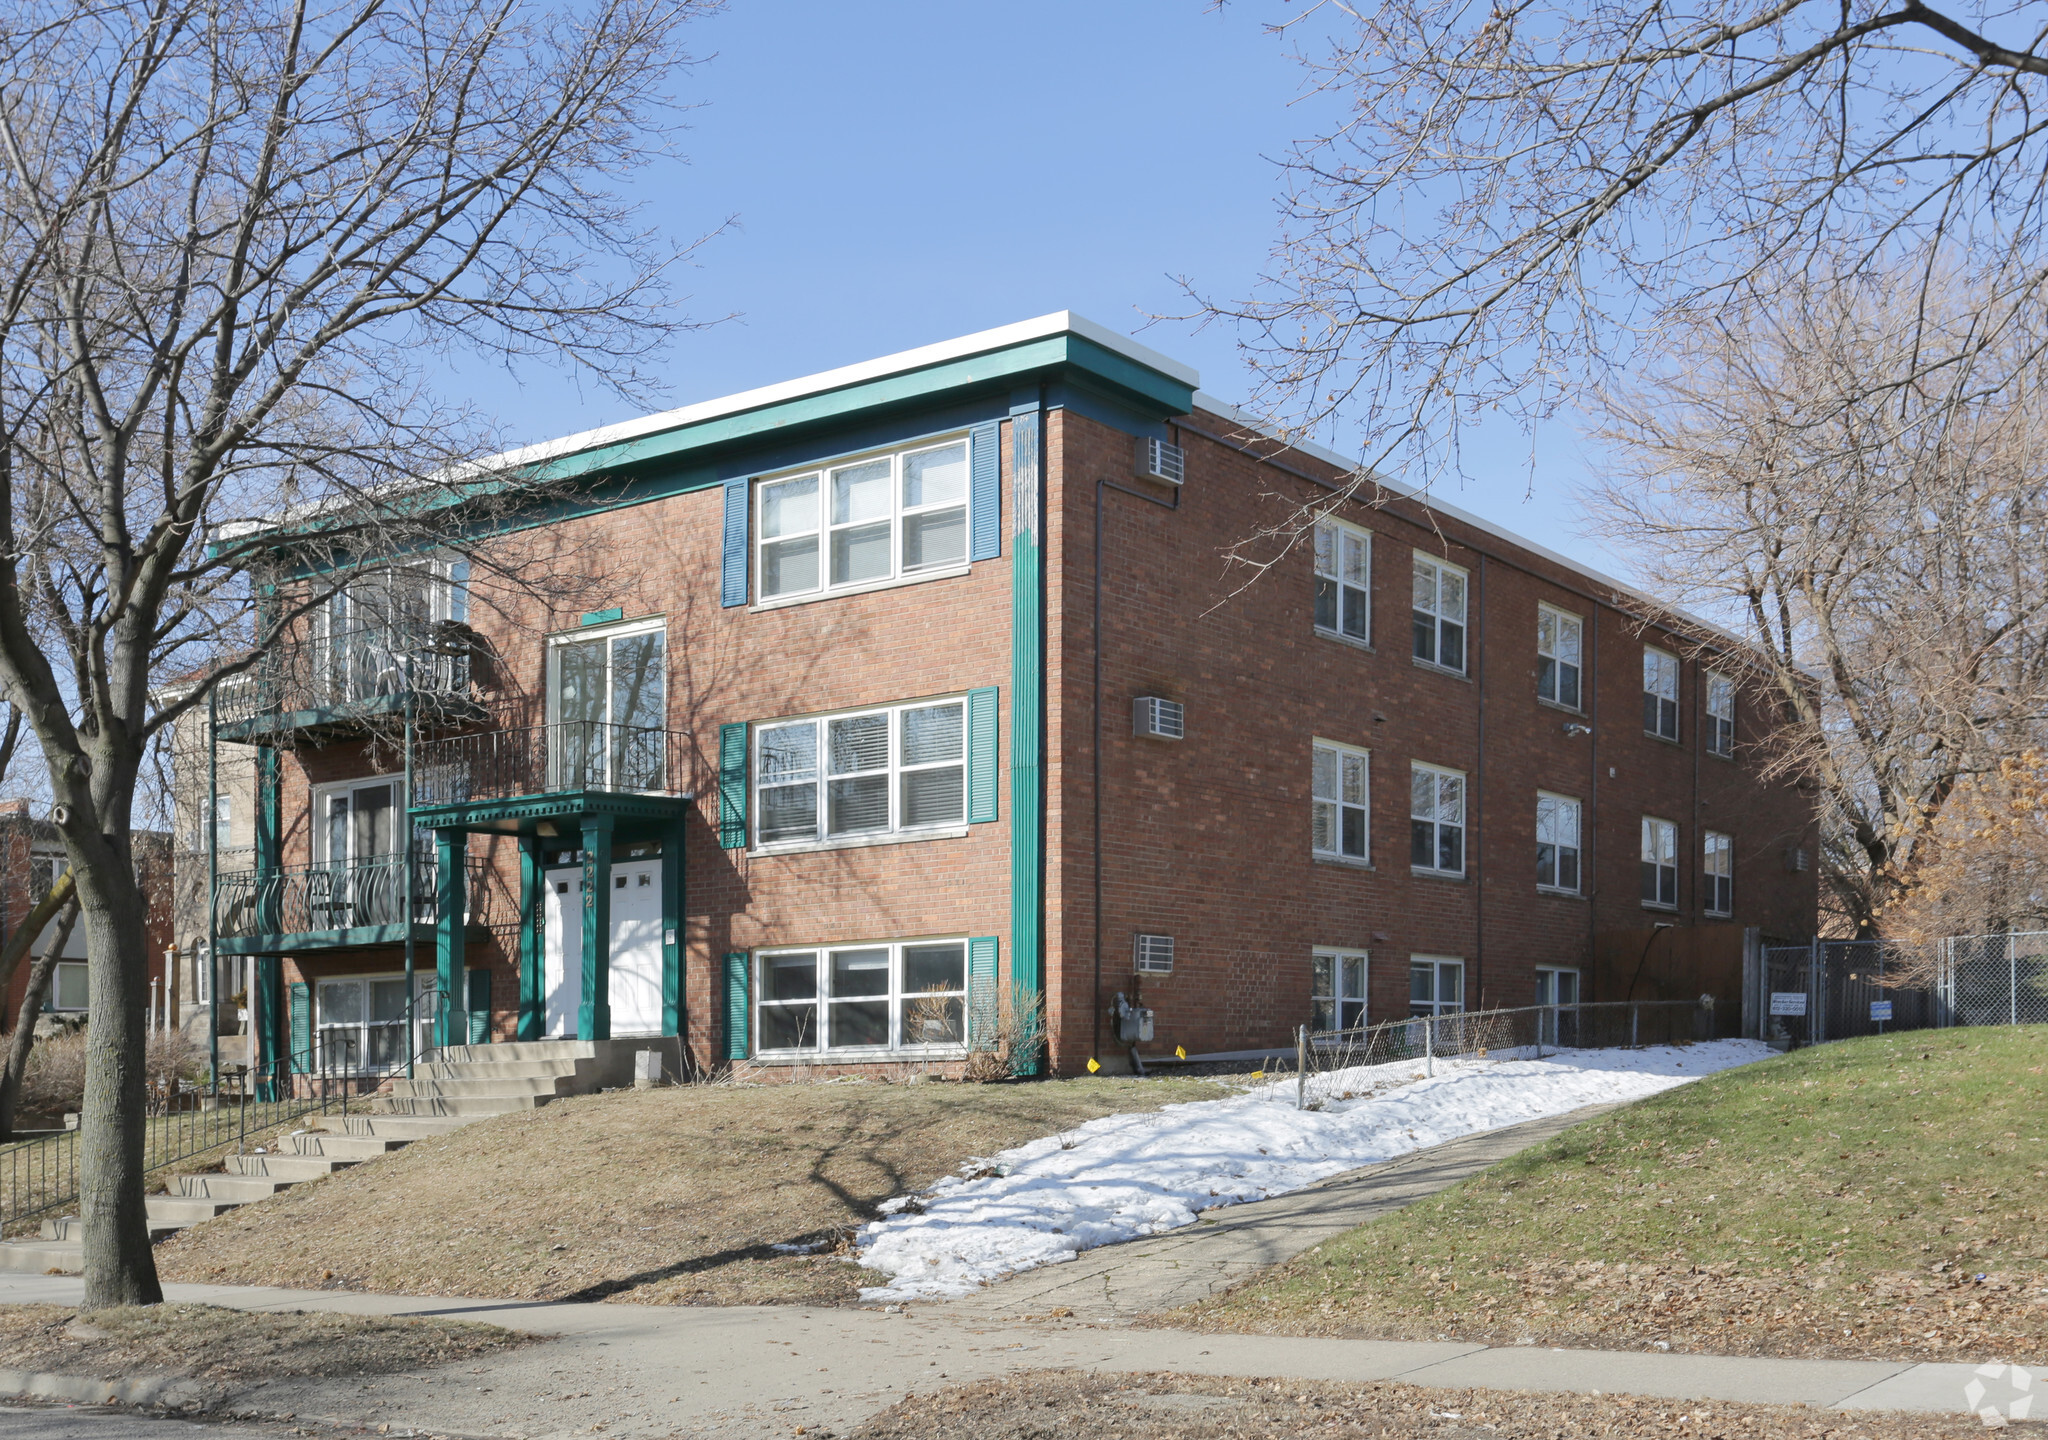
(1300, 1066)
(1429, 1045)
(1635, 1018)
(1539, 1031)
(2012, 980)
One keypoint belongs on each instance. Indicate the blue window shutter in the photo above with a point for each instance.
(733, 575)
(737, 1031)
(982, 755)
(479, 1007)
(982, 1007)
(732, 786)
(302, 1029)
(985, 496)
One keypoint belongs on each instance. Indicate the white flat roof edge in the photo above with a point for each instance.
(1217, 406)
(1058, 322)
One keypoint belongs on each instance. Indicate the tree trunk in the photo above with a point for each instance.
(22, 1042)
(120, 1267)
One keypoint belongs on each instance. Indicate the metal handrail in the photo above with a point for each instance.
(360, 664)
(309, 899)
(503, 762)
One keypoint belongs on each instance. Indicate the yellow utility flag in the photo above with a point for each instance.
(1093, 1066)
(1181, 1051)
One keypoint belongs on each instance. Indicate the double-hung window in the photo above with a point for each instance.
(1435, 986)
(223, 822)
(1436, 816)
(1660, 863)
(1338, 980)
(1558, 638)
(886, 996)
(870, 773)
(1439, 613)
(1344, 580)
(1341, 777)
(1719, 860)
(1557, 842)
(361, 1020)
(1660, 693)
(883, 518)
(1720, 715)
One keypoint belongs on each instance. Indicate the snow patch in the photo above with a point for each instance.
(1125, 1176)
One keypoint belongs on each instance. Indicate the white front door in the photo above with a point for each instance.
(636, 949)
(563, 924)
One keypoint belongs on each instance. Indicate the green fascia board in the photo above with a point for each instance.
(999, 368)
(521, 814)
(358, 937)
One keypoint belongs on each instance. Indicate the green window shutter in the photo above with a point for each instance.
(479, 1007)
(985, 492)
(738, 992)
(732, 786)
(302, 1028)
(982, 1006)
(982, 756)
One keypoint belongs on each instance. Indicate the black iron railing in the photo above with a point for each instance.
(309, 899)
(541, 759)
(359, 667)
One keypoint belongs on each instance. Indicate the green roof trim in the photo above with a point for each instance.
(603, 617)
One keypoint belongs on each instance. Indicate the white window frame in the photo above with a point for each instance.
(896, 458)
(1336, 805)
(899, 999)
(1334, 1002)
(1439, 774)
(1434, 619)
(1720, 715)
(322, 848)
(1717, 862)
(1550, 810)
(1660, 666)
(447, 578)
(1332, 540)
(223, 822)
(1437, 1005)
(821, 778)
(1550, 988)
(68, 970)
(422, 1016)
(609, 634)
(1552, 648)
(1660, 851)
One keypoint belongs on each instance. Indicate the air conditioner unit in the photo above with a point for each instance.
(1154, 954)
(1796, 860)
(1158, 460)
(1153, 718)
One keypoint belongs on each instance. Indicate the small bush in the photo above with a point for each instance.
(55, 1081)
(1009, 1036)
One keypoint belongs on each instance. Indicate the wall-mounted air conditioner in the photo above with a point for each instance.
(1153, 718)
(1153, 954)
(1158, 460)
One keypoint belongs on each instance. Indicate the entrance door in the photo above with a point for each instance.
(636, 949)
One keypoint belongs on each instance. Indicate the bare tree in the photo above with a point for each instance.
(1886, 548)
(1511, 199)
(236, 236)
(21, 1040)
(1983, 865)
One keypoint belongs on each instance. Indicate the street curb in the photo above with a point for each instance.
(160, 1392)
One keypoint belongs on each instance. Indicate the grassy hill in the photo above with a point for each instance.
(1877, 1197)
(667, 1196)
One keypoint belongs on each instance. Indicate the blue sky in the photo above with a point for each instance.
(902, 172)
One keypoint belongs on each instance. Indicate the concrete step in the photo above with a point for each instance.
(70, 1230)
(393, 1125)
(289, 1167)
(240, 1189)
(505, 1052)
(326, 1145)
(457, 1108)
(42, 1257)
(480, 1086)
(578, 1070)
(182, 1210)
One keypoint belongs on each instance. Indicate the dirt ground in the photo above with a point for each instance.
(1060, 1403)
(207, 1342)
(718, 1195)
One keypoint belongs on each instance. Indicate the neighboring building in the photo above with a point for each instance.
(921, 679)
(31, 860)
(214, 810)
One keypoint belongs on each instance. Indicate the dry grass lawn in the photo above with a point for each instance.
(206, 1342)
(1039, 1405)
(692, 1195)
(1875, 1198)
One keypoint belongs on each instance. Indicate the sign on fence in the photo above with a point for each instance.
(1788, 1002)
(1880, 1009)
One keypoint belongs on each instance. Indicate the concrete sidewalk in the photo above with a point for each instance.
(760, 1371)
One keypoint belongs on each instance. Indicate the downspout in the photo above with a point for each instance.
(1588, 861)
(1478, 851)
(212, 823)
(1027, 703)
(411, 905)
(1699, 845)
(1095, 850)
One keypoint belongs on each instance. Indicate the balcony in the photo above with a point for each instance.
(347, 906)
(339, 679)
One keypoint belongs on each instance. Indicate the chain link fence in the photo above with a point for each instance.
(1994, 979)
(1336, 1065)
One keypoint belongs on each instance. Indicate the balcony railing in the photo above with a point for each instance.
(310, 899)
(542, 759)
(360, 668)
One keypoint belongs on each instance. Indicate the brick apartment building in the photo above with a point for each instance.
(916, 682)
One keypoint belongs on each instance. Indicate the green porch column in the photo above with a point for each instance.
(594, 1022)
(266, 1014)
(451, 938)
(672, 1006)
(269, 842)
(532, 964)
